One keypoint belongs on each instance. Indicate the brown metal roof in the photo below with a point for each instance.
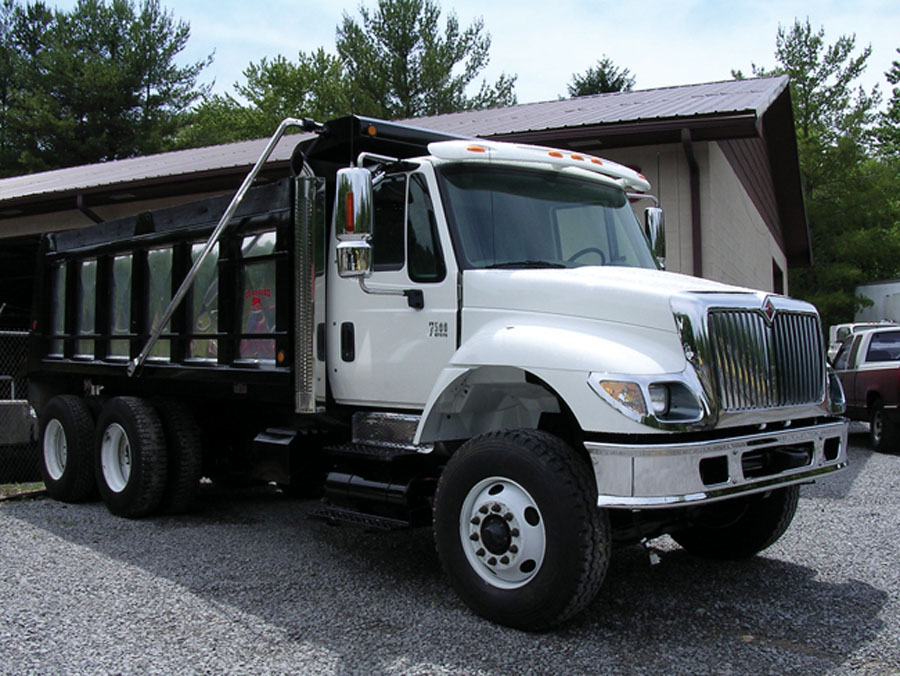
(671, 103)
(690, 101)
(722, 111)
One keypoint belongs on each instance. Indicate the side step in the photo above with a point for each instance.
(359, 451)
(339, 514)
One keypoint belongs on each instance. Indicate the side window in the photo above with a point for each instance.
(842, 360)
(159, 293)
(58, 309)
(203, 304)
(120, 307)
(390, 212)
(87, 295)
(258, 298)
(884, 347)
(426, 262)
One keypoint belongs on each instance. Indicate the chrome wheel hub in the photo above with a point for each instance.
(502, 533)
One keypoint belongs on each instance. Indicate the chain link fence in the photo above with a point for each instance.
(18, 427)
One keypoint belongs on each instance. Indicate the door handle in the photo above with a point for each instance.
(348, 341)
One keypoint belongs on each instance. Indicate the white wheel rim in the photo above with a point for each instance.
(502, 533)
(56, 449)
(115, 458)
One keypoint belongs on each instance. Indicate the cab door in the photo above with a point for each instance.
(389, 338)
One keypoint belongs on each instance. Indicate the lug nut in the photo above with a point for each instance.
(508, 516)
(513, 549)
(483, 509)
(514, 532)
(495, 508)
(504, 560)
(475, 521)
(474, 537)
(492, 561)
(480, 552)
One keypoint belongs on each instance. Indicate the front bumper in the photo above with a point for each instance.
(644, 476)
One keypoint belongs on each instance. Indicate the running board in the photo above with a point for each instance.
(334, 514)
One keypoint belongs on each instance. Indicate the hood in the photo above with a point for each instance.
(616, 294)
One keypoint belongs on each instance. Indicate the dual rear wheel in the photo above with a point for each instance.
(142, 456)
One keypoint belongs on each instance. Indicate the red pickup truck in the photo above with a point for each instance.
(868, 365)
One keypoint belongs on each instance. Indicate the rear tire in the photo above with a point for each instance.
(741, 527)
(518, 530)
(184, 455)
(130, 457)
(66, 442)
(884, 434)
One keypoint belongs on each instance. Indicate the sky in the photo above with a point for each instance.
(662, 43)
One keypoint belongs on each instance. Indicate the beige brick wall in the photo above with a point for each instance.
(737, 247)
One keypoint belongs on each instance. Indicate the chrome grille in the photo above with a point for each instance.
(759, 364)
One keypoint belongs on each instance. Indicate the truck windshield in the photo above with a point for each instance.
(509, 217)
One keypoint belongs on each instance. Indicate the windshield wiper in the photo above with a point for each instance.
(526, 264)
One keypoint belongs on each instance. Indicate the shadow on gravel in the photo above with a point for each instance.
(379, 603)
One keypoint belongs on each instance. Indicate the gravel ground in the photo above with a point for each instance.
(250, 585)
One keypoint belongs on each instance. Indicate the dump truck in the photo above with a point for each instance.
(423, 330)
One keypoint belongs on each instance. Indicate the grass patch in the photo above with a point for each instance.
(20, 490)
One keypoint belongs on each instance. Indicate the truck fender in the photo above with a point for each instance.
(506, 375)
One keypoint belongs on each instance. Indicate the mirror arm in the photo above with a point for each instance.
(414, 297)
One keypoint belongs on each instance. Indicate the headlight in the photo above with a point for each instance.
(659, 399)
(626, 394)
(668, 402)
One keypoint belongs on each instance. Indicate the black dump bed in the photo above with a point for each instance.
(100, 290)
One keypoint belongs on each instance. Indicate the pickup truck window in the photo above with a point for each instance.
(884, 347)
(847, 352)
(515, 217)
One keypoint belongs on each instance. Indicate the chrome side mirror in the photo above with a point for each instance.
(354, 258)
(353, 211)
(353, 221)
(655, 229)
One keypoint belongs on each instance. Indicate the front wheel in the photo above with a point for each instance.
(518, 531)
(740, 527)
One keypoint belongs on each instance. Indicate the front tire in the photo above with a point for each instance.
(67, 435)
(740, 528)
(518, 530)
(130, 457)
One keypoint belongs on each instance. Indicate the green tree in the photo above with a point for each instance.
(888, 131)
(98, 83)
(600, 79)
(314, 86)
(854, 225)
(395, 64)
(400, 64)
